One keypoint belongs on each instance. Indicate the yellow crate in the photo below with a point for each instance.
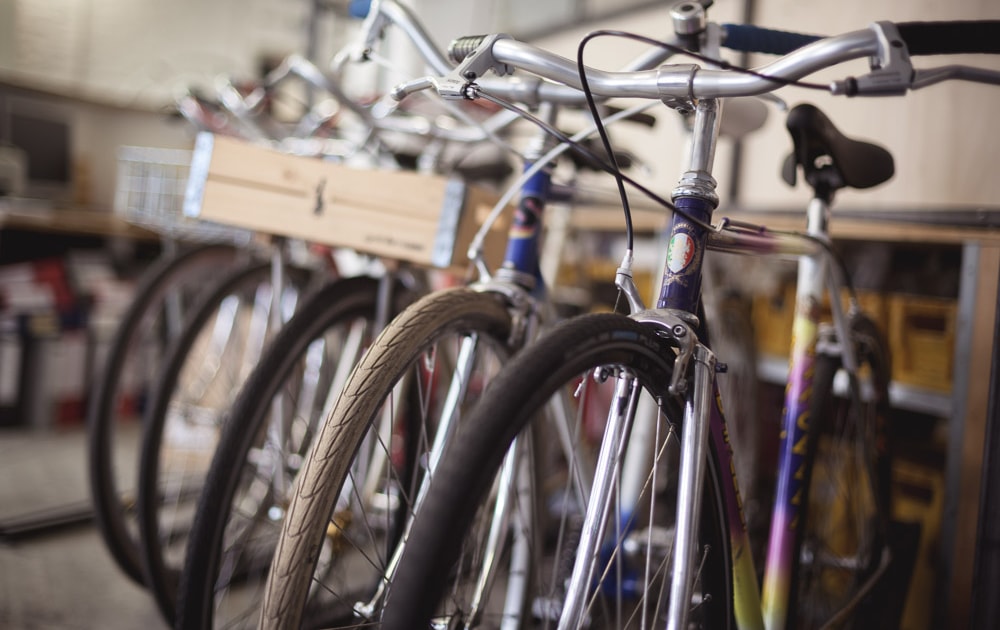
(918, 497)
(424, 219)
(922, 340)
(772, 316)
(871, 303)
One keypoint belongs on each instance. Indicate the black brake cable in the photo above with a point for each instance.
(612, 167)
(586, 152)
(605, 140)
(592, 104)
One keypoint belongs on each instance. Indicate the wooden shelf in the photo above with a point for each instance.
(774, 370)
(944, 227)
(42, 217)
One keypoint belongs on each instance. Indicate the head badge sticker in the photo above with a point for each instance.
(680, 252)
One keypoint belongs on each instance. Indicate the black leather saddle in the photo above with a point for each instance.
(829, 159)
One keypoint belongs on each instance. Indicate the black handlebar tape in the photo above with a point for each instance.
(749, 38)
(950, 38)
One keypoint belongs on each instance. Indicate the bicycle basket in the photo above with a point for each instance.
(149, 192)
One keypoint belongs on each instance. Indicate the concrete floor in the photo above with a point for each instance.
(58, 577)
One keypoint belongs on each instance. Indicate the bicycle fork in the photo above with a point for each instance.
(694, 438)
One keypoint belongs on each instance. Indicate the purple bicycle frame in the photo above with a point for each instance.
(680, 291)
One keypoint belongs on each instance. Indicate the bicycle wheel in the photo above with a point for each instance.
(125, 383)
(848, 479)
(222, 341)
(264, 441)
(360, 480)
(439, 581)
(730, 330)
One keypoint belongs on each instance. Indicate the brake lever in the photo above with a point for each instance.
(892, 73)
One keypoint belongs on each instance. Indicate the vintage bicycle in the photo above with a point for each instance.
(657, 537)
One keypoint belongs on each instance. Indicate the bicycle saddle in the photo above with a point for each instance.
(829, 159)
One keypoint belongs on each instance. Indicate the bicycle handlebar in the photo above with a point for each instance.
(885, 43)
(749, 38)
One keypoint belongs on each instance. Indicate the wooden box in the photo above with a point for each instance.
(424, 219)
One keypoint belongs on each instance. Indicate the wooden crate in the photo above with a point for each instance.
(922, 340)
(424, 219)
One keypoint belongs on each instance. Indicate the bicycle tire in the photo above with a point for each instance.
(466, 472)
(848, 498)
(170, 274)
(203, 600)
(411, 346)
(160, 574)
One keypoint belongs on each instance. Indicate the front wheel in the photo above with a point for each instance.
(574, 377)
(360, 480)
(222, 340)
(272, 422)
(167, 291)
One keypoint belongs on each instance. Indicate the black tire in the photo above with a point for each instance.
(426, 582)
(165, 510)
(120, 393)
(238, 505)
(414, 355)
(848, 480)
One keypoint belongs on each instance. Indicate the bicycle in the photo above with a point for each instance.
(645, 546)
(274, 418)
(165, 294)
(345, 309)
(399, 407)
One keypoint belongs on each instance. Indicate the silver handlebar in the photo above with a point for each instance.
(680, 84)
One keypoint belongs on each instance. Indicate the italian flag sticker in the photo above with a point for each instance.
(680, 252)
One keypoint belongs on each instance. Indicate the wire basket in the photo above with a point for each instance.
(149, 192)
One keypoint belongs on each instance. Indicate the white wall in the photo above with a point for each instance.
(945, 138)
(660, 150)
(137, 52)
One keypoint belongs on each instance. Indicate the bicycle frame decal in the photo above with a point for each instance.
(681, 285)
(680, 252)
(791, 459)
(523, 235)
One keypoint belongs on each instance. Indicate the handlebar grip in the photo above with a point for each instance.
(950, 38)
(749, 38)
(359, 8)
(462, 47)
